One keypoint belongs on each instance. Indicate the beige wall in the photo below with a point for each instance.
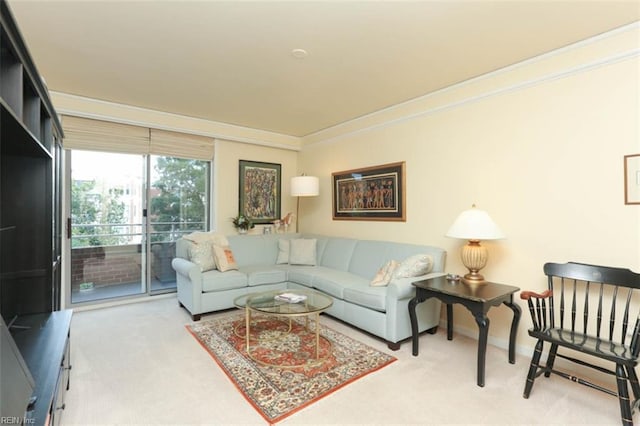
(539, 146)
(226, 166)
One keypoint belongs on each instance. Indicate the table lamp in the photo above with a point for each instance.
(304, 186)
(474, 225)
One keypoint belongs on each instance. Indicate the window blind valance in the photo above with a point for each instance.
(99, 135)
(182, 145)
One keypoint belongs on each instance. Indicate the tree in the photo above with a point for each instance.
(91, 209)
(179, 204)
(83, 212)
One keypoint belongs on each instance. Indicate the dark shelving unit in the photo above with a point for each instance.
(30, 229)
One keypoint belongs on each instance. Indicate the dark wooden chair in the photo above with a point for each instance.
(588, 312)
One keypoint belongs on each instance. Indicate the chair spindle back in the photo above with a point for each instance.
(595, 300)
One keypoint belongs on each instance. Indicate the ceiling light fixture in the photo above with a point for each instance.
(299, 53)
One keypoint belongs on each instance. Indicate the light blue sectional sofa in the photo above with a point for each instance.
(344, 270)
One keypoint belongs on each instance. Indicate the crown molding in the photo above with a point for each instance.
(335, 134)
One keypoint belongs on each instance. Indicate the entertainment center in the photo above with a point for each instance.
(34, 332)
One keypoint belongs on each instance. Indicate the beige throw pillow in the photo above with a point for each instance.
(224, 258)
(283, 252)
(384, 274)
(302, 251)
(201, 248)
(414, 266)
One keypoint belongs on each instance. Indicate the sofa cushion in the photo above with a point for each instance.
(367, 296)
(368, 256)
(337, 254)
(259, 249)
(302, 274)
(283, 252)
(218, 281)
(258, 275)
(334, 282)
(302, 251)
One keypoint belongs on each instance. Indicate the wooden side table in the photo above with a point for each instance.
(478, 299)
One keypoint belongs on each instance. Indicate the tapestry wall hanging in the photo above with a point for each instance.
(371, 193)
(260, 191)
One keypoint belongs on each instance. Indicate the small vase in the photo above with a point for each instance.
(242, 231)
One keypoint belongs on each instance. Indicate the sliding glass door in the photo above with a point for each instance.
(126, 212)
(178, 200)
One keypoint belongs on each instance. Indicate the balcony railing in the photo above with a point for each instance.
(108, 262)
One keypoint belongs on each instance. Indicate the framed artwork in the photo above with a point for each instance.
(371, 193)
(632, 179)
(260, 195)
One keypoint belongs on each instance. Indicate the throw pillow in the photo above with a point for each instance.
(414, 266)
(202, 255)
(209, 237)
(224, 258)
(384, 274)
(283, 252)
(393, 265)
(302, 251)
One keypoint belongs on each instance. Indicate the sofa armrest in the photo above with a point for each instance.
(189, 270)
(402, 288)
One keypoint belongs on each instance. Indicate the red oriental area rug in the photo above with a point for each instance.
(277, 392)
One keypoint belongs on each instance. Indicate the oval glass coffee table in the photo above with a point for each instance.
(286, 305)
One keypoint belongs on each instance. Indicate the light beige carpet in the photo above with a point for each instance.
(135, 364)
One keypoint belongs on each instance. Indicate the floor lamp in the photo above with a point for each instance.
(304, 186)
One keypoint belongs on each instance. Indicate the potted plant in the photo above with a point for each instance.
(242, 223)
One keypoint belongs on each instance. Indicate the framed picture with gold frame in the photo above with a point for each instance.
(632, 179)
(370, 193)
(259, 187)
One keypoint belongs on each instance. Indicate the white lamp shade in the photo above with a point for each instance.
(475, 224)
(305, 186)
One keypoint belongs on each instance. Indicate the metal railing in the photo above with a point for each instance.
(134, 234)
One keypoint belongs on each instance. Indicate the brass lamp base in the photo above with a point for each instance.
(474, 257)
(473, 278)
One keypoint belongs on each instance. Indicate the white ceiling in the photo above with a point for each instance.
(231, 61)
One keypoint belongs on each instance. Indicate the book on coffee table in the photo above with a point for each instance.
(290, 297)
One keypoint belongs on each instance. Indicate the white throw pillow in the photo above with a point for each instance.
(207, 237)
(414, 266)
(202, 255)
(384, 274)
(302, 251)
(283, 252)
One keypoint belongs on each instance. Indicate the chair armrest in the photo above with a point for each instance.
(526, 295)
(540, 315)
